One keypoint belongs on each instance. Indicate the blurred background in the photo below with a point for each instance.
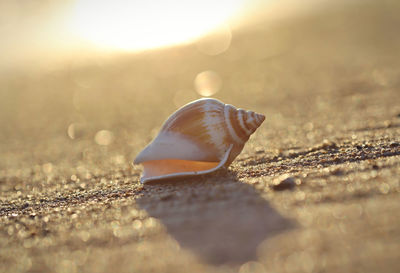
(86, 84)
(106, 73)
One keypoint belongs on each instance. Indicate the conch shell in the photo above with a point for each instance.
(199, 138)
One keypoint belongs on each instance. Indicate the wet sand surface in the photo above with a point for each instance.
(316, 188)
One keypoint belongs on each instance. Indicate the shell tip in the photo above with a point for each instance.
(260, 118)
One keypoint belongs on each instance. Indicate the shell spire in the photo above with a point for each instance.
(198, 138)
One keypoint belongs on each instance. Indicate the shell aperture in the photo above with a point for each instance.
(201, 137)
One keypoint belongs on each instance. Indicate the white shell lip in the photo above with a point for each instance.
(221, 164)
(171, 146)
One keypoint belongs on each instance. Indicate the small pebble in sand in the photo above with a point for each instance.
(394, 144)
(337, 171)
(284, 183)
(328, 144)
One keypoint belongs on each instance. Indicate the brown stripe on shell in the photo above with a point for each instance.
(249, 125)
(244, 115)
(252, 121)
(259, 119)
(233, 119)
(189, 122)
(186, 119)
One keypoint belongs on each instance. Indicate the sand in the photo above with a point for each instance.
(316, 188)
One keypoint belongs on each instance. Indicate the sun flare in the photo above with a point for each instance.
(136, 25)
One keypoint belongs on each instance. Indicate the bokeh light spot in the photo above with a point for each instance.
(119, 159)
(76, 130)
(104, 137)
(207, 83)
(47, 168)
(71, 130)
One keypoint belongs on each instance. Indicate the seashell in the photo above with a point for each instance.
(199, 138)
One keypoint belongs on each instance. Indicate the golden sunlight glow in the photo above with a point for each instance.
(136, 25)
